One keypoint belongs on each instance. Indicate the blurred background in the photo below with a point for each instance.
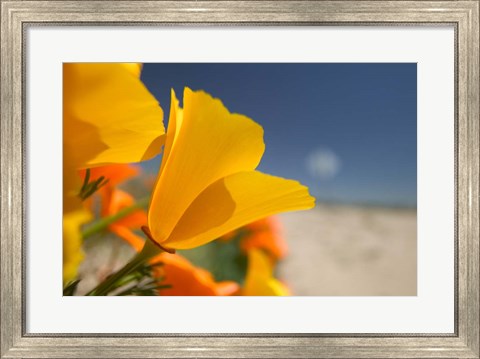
(348, 132)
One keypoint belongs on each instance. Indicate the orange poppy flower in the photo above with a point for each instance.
(113, 200)
(186, 279)
(123, 227)
(115, 173)
(265, 234)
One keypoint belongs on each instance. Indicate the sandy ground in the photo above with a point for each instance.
(351, 251)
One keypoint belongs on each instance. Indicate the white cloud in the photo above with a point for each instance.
(323, 163)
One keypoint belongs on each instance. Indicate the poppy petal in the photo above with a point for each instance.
(72, 242)
(134, 68)
(115, 173)
(235, 201)
(174, 125)
(128, 235)
(260, 280)
(187, 279)
(123, 119)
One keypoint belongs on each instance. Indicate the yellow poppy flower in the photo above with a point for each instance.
(72, 242)
(109, 116)
(207, 184)
(259, 280)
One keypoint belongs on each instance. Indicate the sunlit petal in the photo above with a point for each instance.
(234, 201)
(109, 115)
(175, 121)
(134, 68)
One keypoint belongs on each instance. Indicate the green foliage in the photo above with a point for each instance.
(224, 259)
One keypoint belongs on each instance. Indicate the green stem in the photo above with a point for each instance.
(149, 251)
(103, 223)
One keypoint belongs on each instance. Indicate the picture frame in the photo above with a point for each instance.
(16, 16)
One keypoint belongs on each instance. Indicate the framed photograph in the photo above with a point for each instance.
(240, 179)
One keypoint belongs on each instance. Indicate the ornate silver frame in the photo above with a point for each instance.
(463, 343)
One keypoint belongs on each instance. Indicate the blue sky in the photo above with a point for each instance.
(348, 131)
